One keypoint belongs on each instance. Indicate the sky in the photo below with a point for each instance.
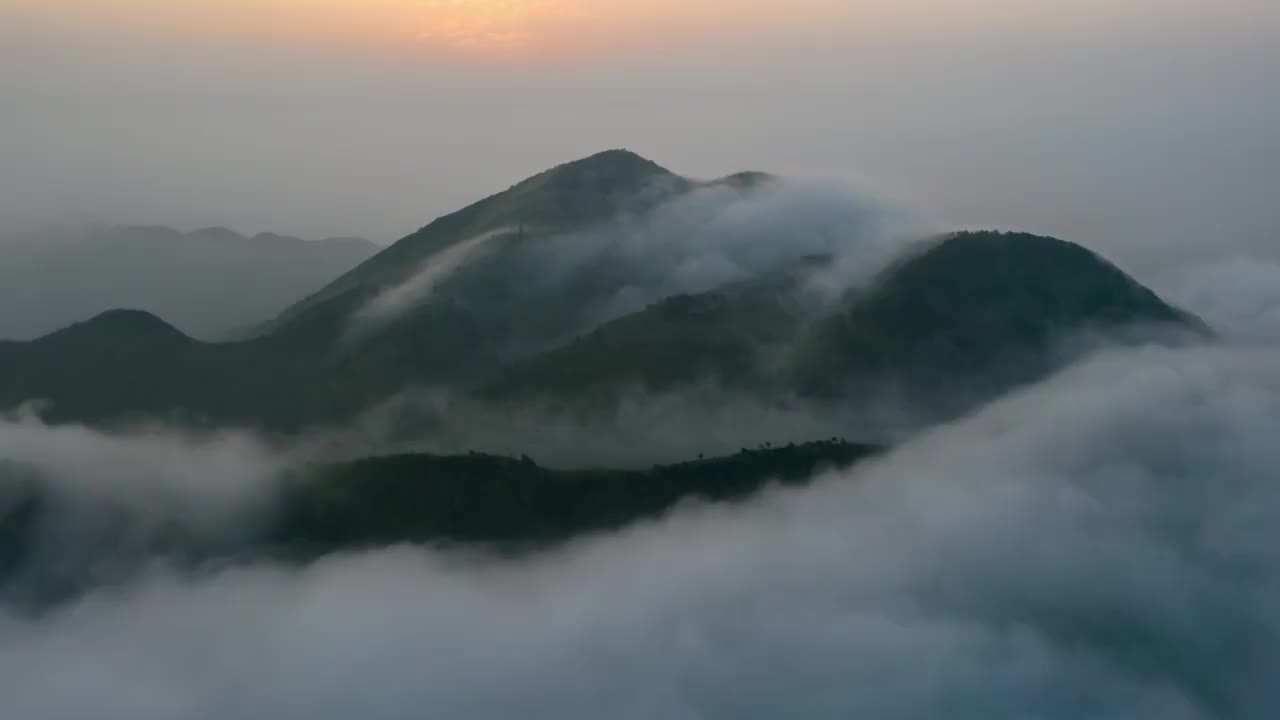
(1139, 126)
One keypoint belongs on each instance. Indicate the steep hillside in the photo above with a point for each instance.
(566, 197)
(737, 337)
(973, 313)
(959, 321)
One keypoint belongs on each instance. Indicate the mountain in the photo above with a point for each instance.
(974, 313)
(564, 198)
(964, 318)
(547, 292)
(209, 283)
(738, 337)
(312, 366)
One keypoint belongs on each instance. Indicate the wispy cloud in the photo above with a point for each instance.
(421, 285)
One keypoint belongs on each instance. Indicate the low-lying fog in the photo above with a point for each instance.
(1100, 545)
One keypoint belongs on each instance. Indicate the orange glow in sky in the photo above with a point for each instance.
(529, 29)
(469, 26)
(497, 28)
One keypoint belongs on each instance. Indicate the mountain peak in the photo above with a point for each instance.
(275, 238)
(568, 196)
(1008, 258)
(146, 232)
(115, 325)
(216, 234)
(975, 313)
(617, 160)
(611, 170)
(1053, 280)
(745, 180)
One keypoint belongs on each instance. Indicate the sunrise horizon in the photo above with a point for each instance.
(515, 31)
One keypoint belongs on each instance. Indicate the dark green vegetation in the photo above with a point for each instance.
(53, 544)
(739, 336)
(977, 311)
(209, 283)
(491, 499)
(974, 314)
(966, 317)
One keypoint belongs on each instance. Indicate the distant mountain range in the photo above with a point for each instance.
(501, 302)
(210, 283)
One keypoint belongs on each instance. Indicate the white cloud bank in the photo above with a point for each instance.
(1098, 546)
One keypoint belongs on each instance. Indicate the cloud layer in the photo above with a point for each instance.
(1097, 546)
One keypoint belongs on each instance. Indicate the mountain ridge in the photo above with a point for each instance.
(532, 201)
(569, 196)
(958, 312)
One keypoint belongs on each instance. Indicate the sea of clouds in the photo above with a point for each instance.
(1099, 545)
